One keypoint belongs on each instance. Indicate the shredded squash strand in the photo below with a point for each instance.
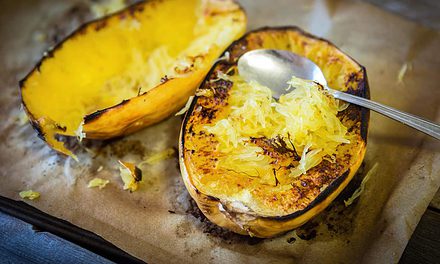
(361, 188)
(306, 117)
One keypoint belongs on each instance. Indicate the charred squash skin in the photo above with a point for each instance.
(311, 193)
(84, 63)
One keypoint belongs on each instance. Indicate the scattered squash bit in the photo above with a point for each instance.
(361, 188)
(128, 70)
(225, 57)
(29, 194)
(158, 157)
(97, 182)
(130, 175)
(407, 66)
(79, 132)
(100, 168)
(186, 107)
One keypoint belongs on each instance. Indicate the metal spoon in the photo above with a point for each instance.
(273, 68)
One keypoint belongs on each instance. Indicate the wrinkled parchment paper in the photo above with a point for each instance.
(154, 223)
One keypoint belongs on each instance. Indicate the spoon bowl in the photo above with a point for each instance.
(274, 68)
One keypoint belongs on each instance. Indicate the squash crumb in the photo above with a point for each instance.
(130, 175)
(158, 157)
(225, 57)
(29, 194)
(361, 188)
(407, 66)
(97, 182)
(79, 132)
(186, 107)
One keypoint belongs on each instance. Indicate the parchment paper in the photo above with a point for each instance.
(373, 230)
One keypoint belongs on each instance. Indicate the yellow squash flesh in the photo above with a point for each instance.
(134, 68)
(246, 204)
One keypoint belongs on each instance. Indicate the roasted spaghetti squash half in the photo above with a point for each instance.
(128, 70)
(261, 166)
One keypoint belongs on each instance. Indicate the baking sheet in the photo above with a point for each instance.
(158, 223)
(42, 222)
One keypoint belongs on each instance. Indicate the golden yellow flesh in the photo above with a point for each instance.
(125, 55)
(261, 205)
(302, 123)
(100, 69)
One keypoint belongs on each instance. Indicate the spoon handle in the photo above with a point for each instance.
(416, 122)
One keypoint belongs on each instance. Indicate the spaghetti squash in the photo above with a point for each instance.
(262, 167)
(131, 69)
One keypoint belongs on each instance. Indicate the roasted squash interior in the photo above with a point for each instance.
(289, 135)
(265, 177)
(123, 56)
